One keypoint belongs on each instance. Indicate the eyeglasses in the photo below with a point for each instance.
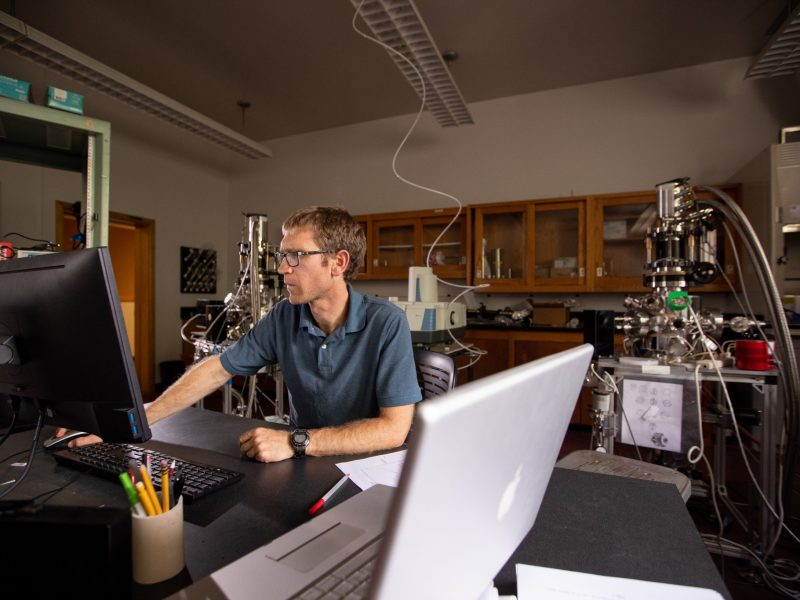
(293, 258)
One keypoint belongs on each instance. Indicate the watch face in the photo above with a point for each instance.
(300, 437)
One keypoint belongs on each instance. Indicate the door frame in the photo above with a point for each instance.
(144, 288)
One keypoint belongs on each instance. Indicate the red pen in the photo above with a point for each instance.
(321, 502)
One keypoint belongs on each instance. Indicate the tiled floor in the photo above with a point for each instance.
(737, 574)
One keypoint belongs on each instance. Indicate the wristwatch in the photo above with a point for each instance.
(299, 439)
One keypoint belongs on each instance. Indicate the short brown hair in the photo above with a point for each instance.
(334, 229)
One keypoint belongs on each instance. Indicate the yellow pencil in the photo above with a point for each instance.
(151, 491)
(144, 497)
(164, 488)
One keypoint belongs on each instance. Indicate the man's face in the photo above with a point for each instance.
(313, 277)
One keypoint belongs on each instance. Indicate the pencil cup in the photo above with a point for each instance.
(158, 545)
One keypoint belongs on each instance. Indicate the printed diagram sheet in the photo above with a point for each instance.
(654, 411)
(384, 469)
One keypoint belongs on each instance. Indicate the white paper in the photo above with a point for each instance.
(654, 411)
(542, 583)
(384, 469)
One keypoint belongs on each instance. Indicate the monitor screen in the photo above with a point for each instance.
(63, 344)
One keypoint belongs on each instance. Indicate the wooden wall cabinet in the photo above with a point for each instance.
(532, 245)
(397, 241)
(618, 225)
(573, 244)
(617, 231)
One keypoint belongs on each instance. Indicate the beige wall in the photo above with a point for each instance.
(628, 134)
(704, 122)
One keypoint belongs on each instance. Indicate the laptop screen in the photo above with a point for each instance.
(474, 478)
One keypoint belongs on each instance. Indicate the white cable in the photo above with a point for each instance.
(769, 578)
(613, 384)
(366, 36)
(186, 325)
(735, 428)
(701, 448)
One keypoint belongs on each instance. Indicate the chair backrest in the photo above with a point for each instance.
(436, 372)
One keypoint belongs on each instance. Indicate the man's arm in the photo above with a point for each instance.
(388, 430)
(199, 381)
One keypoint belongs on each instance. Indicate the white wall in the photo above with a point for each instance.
(628, 134)
(187, 201)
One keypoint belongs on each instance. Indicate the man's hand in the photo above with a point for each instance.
(81, 441)
(266, 445)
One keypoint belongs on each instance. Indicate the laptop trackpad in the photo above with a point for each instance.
(322, 547)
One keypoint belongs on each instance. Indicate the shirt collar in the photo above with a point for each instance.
(356, 316)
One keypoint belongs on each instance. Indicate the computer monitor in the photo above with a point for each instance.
(64, 347)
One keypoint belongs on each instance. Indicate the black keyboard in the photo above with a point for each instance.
(109, 460)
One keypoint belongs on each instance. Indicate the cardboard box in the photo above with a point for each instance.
(553, 315)
(64, 100)
(16, 89)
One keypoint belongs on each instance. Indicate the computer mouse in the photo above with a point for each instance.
(59, 443)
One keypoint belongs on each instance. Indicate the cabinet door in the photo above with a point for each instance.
(617, 238)
(501, 247)
(366, 269)
(449, 254)
(497, 357)
(395, 247)
(528, 350)
(720, 249)
(559, 247)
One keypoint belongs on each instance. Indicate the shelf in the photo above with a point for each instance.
(397, 247)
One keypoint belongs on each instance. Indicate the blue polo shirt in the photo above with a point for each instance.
(365, 364)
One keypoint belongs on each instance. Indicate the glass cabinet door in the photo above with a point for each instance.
(719, 249)
(501, 246)
(449, 255)
(559, 247)
(619, 241)
(394, 247)
(366, 268)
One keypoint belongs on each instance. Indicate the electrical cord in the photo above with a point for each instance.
(29, 463)
(15, 404)
(787, 367)
(474, 352)
(779, 517)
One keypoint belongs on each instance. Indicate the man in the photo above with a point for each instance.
(346, 358)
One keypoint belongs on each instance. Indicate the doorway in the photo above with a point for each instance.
(131, 244)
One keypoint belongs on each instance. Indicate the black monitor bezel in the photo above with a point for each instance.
(76, 364)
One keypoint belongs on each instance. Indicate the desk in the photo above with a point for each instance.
(588, 522)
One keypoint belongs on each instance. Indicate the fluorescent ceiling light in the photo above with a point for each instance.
(25, 41)
(781, 55)
(398, 24)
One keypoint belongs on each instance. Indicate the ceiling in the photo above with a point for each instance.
(301, 68)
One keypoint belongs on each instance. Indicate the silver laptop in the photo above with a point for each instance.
(474, 477)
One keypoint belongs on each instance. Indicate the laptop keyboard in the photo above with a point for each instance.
(349, 580)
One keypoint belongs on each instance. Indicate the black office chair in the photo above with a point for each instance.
(436, 372)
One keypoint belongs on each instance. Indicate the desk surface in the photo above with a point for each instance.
(588, 522)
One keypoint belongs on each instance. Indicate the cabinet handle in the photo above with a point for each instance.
(598, 271)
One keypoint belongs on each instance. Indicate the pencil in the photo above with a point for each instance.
(164, 487)
(145, 499)
(151, 491)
